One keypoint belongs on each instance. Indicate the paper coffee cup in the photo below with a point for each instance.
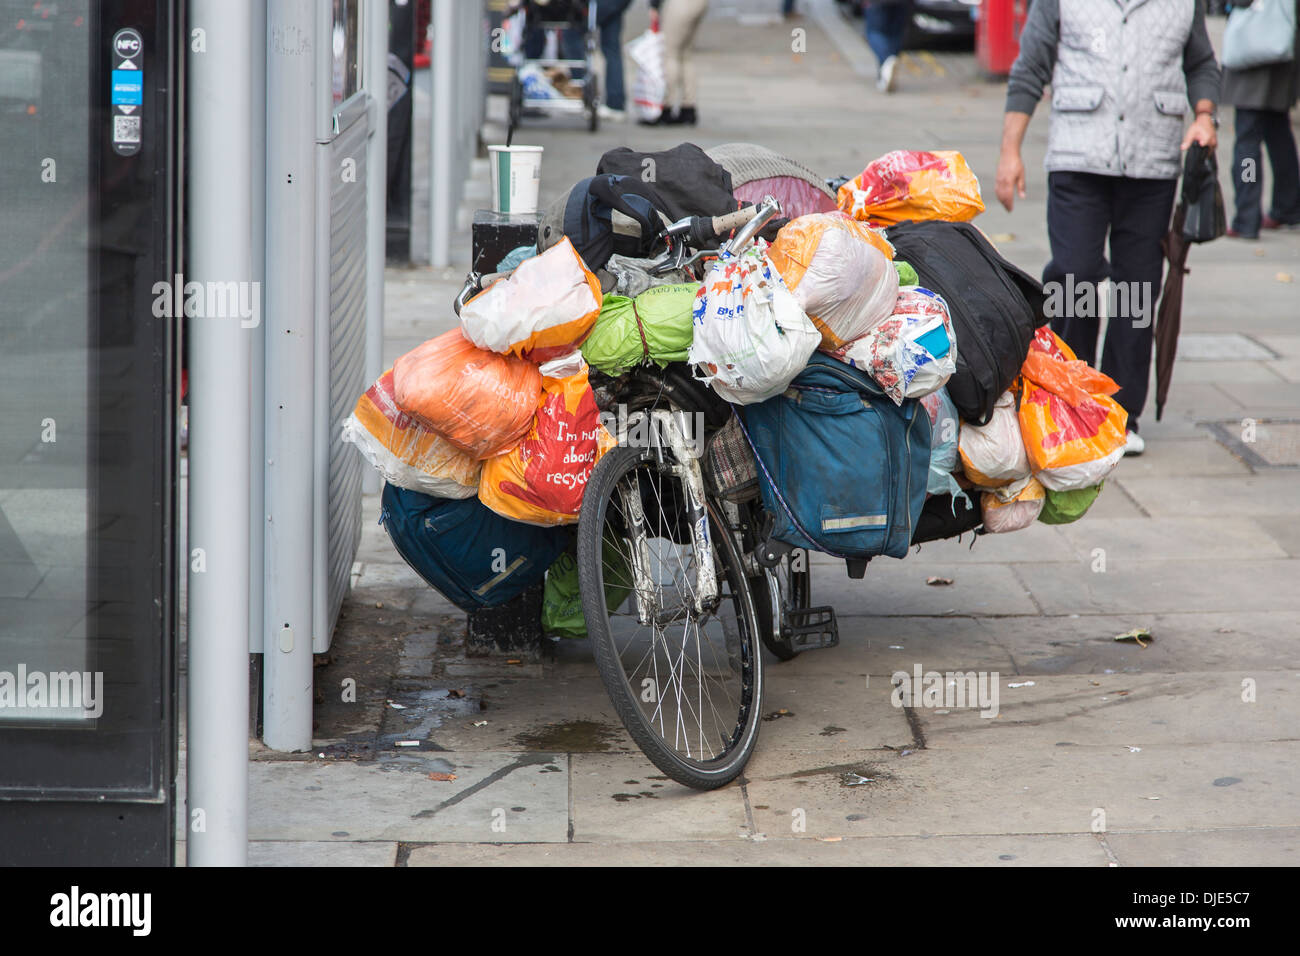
(516, 174)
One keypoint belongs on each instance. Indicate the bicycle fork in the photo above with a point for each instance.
(668, 428)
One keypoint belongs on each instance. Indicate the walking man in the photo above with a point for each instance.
(1124, 76)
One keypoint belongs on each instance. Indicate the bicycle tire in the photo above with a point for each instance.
(617, 464)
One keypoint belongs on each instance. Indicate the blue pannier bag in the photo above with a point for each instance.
(470, 554)
(849, 466)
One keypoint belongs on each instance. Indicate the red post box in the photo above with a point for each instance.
(997, 34)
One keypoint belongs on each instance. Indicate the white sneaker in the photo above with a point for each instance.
(1134, 445)
(885, 81)
(608, 113)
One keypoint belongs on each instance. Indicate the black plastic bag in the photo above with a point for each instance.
(1202, 197)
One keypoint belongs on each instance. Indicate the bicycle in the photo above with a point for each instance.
(681, 584)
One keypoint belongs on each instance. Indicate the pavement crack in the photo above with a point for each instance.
(1105, 848)
(914, 723)
(527, 760)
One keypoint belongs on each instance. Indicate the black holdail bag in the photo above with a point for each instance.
(995, 307)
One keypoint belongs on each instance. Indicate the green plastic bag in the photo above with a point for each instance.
(906, 274)
(1062, 507)
(562, 598)
(615, 342)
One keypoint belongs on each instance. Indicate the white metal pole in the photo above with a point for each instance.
(376, 82)
(222, 262)
(257, 418)
(292, 78)
(443, 132)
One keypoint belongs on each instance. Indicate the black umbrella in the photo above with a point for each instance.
(1198, 218)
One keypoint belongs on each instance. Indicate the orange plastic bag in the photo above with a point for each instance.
(541, 481)
(1074, 432)
(543, 310)
(478, 400)
(408, 453)
(840, 273)
(910, 184)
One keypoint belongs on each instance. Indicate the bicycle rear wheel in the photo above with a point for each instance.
(686, 682)
(793, 586)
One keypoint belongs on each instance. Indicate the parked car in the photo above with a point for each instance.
(933, 22)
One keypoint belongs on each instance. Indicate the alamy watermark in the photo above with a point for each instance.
(1085, 299)
(209, 300)
(637, 429)
(951, 689)
(52, 690)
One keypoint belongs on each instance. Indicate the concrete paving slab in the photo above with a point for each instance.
(1154, 586)
(522, 797)
(624, 797)
(778, 850)
(1216, 347)
(1065, 644)
(1121, 710)
(1215, 371)
(1262, 399)
(1171, 496)
(283, 853)
(1011, 789)
(1128, 543)
(899, 588)
(1285, 530)
(1262, 846)
(1286, 345)
(824, 713)
(1201, 455)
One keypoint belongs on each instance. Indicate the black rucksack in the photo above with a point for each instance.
(995, 307)
(687, 181)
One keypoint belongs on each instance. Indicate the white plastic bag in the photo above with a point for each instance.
(840, 271)
(751, 336)
(543, 310)
(1014, 507)
(648, 86)
(993, 455)
(911, 353)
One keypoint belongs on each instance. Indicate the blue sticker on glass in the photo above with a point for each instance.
(128, 88)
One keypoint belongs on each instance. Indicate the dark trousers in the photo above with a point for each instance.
(1081, 209)
(885, 23)
(611, 45)
(1271, 129)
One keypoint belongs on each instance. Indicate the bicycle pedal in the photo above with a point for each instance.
(812, 628)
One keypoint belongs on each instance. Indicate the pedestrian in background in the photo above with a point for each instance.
(1123, 75)
(1262, 99)
(678, 20)
(885, 22)
(609, 19)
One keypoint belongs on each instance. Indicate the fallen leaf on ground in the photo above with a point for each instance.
(455, 693)
(937, 582)
(1139, 635)
(1283, 277)
(442, 776)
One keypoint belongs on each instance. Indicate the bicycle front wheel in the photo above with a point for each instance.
(686, 681)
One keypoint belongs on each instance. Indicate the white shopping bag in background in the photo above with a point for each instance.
(648, 86)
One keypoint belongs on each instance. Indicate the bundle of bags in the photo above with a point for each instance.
(1050, 443)
(500, 408)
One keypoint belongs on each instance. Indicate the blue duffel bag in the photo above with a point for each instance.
(470, 554)
(849, 466)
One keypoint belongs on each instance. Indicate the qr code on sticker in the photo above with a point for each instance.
(126, 129)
